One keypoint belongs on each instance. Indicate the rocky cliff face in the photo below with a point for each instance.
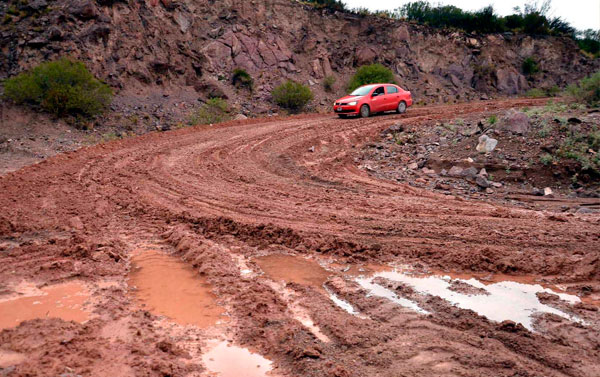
(178, 51)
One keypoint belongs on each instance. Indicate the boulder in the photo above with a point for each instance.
(83, 9)
(210, 89)
(469, 172)
(486, 144)
(455, 171)
(240, 117)
(515, 122)
(482, 182)
(365, 55)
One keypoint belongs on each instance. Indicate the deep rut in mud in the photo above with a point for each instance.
(224, 199)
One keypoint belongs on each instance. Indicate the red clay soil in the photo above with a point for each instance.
(247, 188)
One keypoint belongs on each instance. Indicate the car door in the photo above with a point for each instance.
(378, 100)
(392, 97)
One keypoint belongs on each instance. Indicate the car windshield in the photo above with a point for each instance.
(362, 91)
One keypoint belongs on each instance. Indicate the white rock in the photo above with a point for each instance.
(547, 191)
(486, 144)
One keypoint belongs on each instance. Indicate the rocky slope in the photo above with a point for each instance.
(163, 56)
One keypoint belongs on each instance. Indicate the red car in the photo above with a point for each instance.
(373, 98)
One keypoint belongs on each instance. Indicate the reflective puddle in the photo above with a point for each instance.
(293, 269)
(227, 360)
(498, 301)
(167, 286)
(65, 301)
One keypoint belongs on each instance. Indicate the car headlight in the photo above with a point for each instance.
(353, 103)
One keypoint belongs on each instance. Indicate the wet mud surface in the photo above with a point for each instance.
(226, 203)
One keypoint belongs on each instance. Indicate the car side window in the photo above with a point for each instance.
(378, 92)
(391, 89)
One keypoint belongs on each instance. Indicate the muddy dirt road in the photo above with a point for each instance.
(221, 198)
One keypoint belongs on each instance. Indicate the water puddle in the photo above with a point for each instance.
(345, 305)
(498, 301)
(167, 286)
(227, 360)
(293, 269)
(65, 301)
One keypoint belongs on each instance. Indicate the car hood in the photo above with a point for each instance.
(349, 98)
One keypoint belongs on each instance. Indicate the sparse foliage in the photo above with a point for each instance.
(530, 66)
(587, 90)
(328, 83)
(371, 74)
(292, 95)
(61, 87)
(215, 110)
(242, 79)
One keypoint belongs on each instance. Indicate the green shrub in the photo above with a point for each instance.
(328, 4)
(546, 159)
(328, 83)
(587, 90)
(536, 93)
(492, 119)
(241, 78)
(215, 110)
(62, 87)
(292, 95)
(530, 66)
(371, 74)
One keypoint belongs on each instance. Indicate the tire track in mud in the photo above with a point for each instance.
(255, 186)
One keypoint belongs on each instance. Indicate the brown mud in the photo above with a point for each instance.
(219, 197)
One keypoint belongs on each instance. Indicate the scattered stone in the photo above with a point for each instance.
(413, 166)
(469, 172)
(428, 171)
(455, 171)
(537, 192)
(515, 122)
(84, 9)
(547, 191)
(444, 172)
(482, 182)
(497, 184)
(585, 210)
(469, 160)
(489, 191)
(420, 180)
(486, 144)
(483, 172)
(240, 117)
(311, 149)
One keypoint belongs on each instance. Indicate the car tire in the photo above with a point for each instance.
(365, 112)
(401, 108)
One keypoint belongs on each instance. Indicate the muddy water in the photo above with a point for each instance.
(504, 300)
(63, 301)
(167, 286)
(227, 360)
(292, 269)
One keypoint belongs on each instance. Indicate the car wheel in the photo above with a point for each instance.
(365, 111)
(401, 107)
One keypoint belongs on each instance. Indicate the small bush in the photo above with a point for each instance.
(328, 83)
(215, 110)
(587, 90)
(492, 119)
(292, 95)
(62, 87)
(371, 74)
(536, 93)
(546, 159)
(328, 4)
(241, 78)
(530, 66)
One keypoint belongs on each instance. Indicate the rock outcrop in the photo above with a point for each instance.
(149, 45)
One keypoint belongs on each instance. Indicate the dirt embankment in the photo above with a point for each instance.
(218, 196)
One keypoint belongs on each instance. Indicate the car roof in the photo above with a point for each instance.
(362, 86)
